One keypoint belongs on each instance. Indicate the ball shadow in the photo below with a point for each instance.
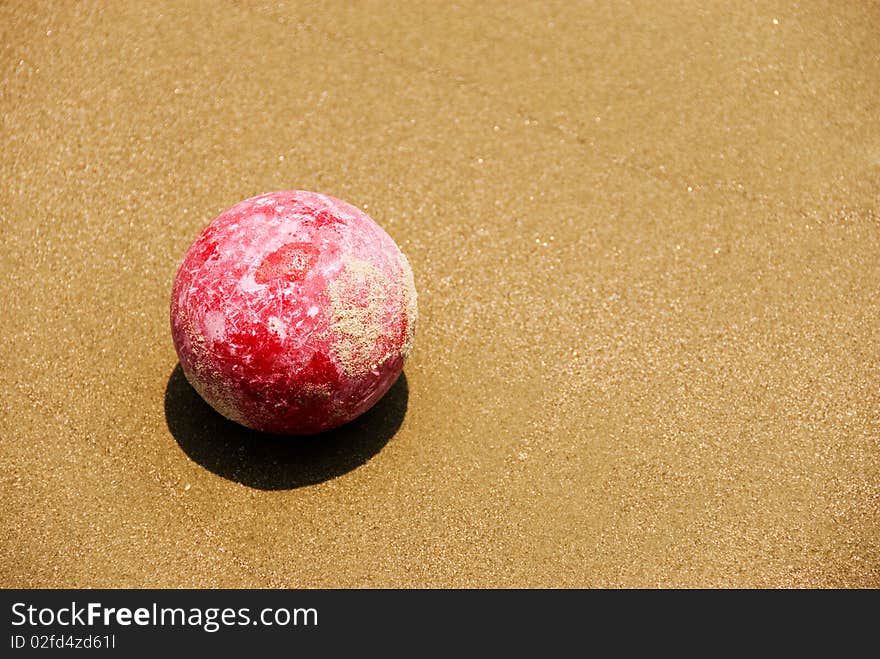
(271, 462)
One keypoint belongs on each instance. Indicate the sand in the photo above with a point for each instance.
(645, 241)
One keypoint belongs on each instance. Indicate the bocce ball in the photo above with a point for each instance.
(293, 312)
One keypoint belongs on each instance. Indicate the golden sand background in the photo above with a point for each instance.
(645, 238)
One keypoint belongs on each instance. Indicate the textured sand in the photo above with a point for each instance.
(646, 240)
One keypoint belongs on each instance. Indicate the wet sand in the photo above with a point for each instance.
(645, 239)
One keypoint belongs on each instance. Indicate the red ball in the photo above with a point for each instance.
(293, 312)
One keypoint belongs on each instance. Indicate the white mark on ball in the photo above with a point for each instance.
(276, 326)
(215, 326)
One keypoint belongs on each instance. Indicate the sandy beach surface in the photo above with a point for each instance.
(646, 240)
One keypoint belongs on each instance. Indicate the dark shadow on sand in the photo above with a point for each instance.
(272, 462)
